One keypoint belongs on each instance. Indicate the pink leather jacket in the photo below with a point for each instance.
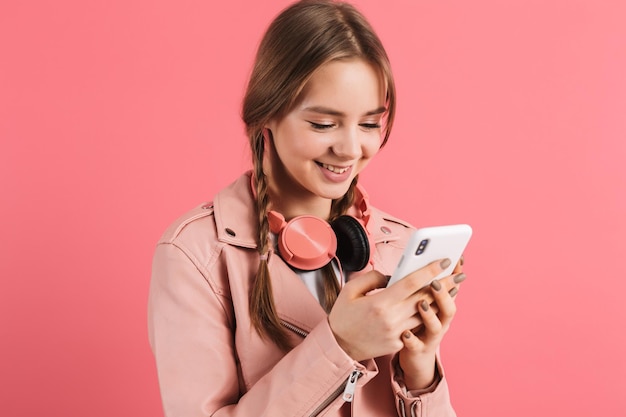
(211, 362)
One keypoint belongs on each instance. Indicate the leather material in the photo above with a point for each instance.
(200, 330)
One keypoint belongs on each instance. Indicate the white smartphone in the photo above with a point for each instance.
(430, 244)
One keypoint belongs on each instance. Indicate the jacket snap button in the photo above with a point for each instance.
(385, 230)
(230, 232)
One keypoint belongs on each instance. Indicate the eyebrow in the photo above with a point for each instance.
(332, 112)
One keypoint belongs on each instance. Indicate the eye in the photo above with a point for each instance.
(321, 126)
(370, 126)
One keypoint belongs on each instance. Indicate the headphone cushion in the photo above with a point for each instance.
(353, 247)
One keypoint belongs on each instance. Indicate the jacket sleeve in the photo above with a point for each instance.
(433, 401)
(198, 375)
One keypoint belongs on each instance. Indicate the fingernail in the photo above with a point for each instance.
(407, 334)
(436, 285)
(453, 291)
(458, 278)
(462, 260)
(424, 305)
(445, 263)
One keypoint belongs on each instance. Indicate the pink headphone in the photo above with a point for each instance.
(308, 242)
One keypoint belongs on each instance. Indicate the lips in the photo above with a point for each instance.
(333, 168)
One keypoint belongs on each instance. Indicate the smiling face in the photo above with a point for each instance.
(327, 138)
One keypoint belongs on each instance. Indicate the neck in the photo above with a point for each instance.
(294, 204)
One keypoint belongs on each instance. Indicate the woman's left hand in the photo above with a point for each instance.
(437, 309)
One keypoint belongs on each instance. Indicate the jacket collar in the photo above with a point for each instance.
(236, 220)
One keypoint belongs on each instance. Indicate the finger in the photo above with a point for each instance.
(458, 268)
(412, 342)
(364, 283)
(453, 292)
(414, 322)
(426, 293)
(445, 304)
(449, 282)
(432, 323)
(418, 279)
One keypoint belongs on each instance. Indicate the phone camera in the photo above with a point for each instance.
(421, 247)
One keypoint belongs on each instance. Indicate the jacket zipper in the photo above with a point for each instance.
(348, 387)
(348, 392)
(294, 329)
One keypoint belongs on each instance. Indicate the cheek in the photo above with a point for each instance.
(371, 146)
(310, 146)
(304, 149)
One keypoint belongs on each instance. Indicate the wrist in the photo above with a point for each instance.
(341, 342)
(420, 375)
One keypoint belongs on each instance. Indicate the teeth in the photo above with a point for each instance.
(335, 169)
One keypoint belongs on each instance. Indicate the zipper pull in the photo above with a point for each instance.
(348, 392)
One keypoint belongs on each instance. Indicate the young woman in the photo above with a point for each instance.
(246, 316)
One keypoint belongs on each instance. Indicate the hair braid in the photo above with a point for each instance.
(262, 309)
(331, 287)
(331, 283)
(305, 36)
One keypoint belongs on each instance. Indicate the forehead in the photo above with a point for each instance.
(345, 85)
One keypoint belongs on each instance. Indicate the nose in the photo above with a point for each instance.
(348, 144)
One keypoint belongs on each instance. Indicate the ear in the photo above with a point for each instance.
(268, 146)
(267, 136)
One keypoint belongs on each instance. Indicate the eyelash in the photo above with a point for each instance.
(319, 126)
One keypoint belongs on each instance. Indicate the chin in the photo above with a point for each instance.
(334, 192)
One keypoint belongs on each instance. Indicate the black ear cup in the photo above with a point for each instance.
(353, 247)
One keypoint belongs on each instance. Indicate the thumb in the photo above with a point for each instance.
(363, 284)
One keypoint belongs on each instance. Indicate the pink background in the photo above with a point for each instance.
(118, 116)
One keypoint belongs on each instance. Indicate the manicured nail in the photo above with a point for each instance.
(453, 291)
(407, 334)
(424, 305)
(458, 278)
(445, 263)
(436, 285)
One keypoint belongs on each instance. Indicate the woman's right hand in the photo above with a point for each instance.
(368, 326)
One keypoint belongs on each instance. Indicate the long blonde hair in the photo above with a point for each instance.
(303, 37)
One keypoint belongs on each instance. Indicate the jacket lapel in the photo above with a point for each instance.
(236, 222)
(294, 302)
